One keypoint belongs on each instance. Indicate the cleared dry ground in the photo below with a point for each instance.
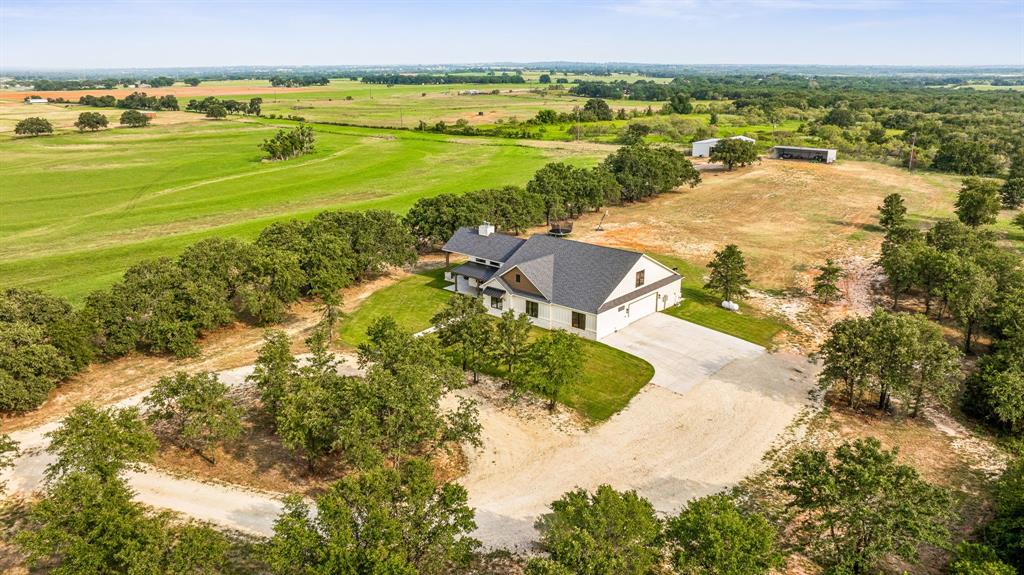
(63, 116)
(786, 216)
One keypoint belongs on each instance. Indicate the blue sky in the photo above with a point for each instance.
(62, 34)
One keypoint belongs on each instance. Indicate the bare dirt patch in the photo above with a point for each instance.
(785, 216)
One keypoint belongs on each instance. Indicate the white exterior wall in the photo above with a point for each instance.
(549, 316)
(702, 149)
(653, 271)
(612, 320)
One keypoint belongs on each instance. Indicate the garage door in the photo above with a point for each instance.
(643, 307)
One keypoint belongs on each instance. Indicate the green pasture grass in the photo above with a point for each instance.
(702, 307)
(80, 208)
(407, 105)
(610, 378)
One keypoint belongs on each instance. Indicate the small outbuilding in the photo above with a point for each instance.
(36, 101)
(702, 148)
(825, 155)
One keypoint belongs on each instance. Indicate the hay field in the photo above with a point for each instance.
(80, 208)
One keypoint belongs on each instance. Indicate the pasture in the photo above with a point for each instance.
(80, 208)
(346, 101)
(350, 102)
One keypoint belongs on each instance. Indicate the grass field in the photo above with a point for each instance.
(411, 302)
(610, 379)
(80, 208)
(702, 307)
(351, 102)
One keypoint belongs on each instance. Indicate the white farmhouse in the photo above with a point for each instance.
(702, 148)
(592, 291)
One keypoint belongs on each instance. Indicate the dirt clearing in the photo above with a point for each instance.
(786, 216)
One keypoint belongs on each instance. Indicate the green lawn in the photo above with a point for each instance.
(80, 208)
(610, 379)
(702, 308)
(411, 301)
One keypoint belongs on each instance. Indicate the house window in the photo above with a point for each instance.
(495, 302)
(519, 278)
(639, 278)
(579, 320)
(532, 309)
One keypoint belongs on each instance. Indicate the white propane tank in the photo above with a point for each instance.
(731, 306)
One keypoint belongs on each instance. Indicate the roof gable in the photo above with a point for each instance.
(494, 247)
(573, 274)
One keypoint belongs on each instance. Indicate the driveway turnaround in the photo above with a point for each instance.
(718, 404)
(683, 354)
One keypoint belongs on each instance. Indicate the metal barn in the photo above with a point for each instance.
(702, 148)
(825, 155)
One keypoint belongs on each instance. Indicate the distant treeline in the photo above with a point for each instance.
(253, 107)
(133, 101)
(393, 79)
(296, 81)
(46, 85)
(959, 130)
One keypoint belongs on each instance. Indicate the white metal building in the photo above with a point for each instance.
(702, 148)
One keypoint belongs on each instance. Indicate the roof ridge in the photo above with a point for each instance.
(593, 245)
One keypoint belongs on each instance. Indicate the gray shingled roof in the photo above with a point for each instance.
(495, 247)
(476, 271)
(569, 273)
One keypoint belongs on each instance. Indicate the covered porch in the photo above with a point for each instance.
(468, 277)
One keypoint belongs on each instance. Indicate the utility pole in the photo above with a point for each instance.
(913, 148)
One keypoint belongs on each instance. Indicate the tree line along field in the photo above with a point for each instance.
(80, 208)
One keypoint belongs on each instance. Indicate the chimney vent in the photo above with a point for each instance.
(486, 229)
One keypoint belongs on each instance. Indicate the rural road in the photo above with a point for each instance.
(669, 445)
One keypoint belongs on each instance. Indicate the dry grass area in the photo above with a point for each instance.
(786, 216)
(63, 116)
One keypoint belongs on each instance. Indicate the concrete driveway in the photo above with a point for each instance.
(683, 354)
